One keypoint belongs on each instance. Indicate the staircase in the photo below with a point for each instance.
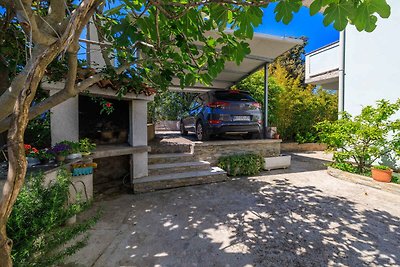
(171, 170)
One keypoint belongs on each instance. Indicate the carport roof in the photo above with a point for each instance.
(264, 49)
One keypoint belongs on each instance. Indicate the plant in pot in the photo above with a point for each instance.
(60, 151)
(382, 173)
(31, 154)
(45, 156)
(74, 152)
(86, 146)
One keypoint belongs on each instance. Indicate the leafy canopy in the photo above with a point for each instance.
(177, 33)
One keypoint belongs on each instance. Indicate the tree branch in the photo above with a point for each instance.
(56, 12)
(27, 19)
(63, 95)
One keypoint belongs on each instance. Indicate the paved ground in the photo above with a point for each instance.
(296, 217)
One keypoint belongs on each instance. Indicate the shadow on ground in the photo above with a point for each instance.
(268, 222)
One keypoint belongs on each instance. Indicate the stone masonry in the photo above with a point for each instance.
(211, 151)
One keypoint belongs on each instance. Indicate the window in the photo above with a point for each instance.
(233, 96)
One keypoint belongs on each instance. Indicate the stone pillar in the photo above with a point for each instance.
(138, 137)
(64, 120)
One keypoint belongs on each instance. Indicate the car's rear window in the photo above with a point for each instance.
(233, 96)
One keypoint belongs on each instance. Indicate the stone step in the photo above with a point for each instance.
(165, 168)
(173, 180)
(170, 158)
(170, 148)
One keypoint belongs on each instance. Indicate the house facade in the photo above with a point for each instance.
(363, 67)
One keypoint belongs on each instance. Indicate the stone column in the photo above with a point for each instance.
(138, 136)
(64, 120)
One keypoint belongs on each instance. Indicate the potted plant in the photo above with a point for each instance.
(74, 151)
(60, 151)
(31, 154)
(45, 156)
(382, 173)
(86, 146)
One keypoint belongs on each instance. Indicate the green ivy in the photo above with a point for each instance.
(237, 165)
(37, 222)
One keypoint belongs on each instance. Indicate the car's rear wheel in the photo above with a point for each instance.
(182, 128)
(201, 132)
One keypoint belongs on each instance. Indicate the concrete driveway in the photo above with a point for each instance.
(296, 217)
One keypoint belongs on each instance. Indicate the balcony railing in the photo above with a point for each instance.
(322, 65)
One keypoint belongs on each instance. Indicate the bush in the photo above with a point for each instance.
(37, 222)
(293, 108)
(169, 106)
(365, 138)
(381, 167)
(236, 165)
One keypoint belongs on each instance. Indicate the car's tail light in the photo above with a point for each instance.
(256, 105)
(214, 121)
(218, 104)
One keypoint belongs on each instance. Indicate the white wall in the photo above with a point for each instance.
(322, 60)
(372, 63)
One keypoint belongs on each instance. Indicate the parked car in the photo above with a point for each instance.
(223, 112)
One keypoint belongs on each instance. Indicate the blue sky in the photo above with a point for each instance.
(302, 25)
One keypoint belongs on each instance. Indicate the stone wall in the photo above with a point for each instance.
(109, 174)
(167, 126)
(296, 147)
(211, 151)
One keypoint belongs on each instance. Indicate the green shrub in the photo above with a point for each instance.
(396, 178)
(381, 167)
(365, 138)
(37, 222)
(246, 164)
(86, 146)
(344, 166)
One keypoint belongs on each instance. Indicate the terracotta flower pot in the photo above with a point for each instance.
(384, 176)
(60, 158)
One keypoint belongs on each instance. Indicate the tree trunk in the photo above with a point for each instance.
(17, 164)
(6, 245)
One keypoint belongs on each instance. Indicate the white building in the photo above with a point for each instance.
(363, 67)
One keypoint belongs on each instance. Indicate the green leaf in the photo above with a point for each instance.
(315, 7)
(284, 10)
(114, 10)
(363, 20)
(338, 13)
(381, 7)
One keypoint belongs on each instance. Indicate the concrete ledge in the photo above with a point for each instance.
(237, 142)
(296, 147)
(159, 182)
(105, 151)
(213, 150)
(364, 180)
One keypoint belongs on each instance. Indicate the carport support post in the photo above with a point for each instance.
(138, 137)
(265, 106)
